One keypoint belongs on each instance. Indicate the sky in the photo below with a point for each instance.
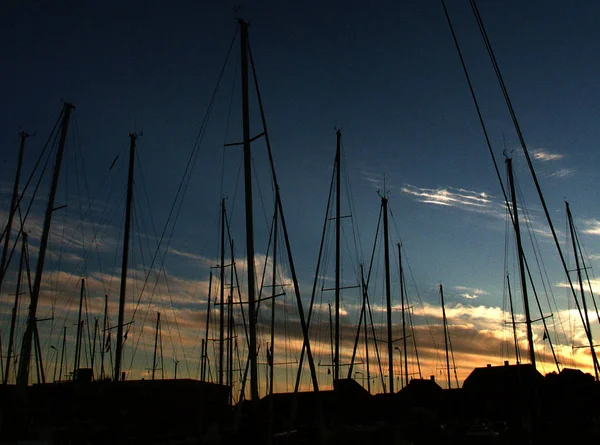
(388, 75)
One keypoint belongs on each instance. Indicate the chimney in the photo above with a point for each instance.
(505, 362)
(432, 378)
(489, 366)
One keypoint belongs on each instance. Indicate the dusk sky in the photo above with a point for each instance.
(388, 75)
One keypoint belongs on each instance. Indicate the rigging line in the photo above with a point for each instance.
(304, 326)
(316, 279)
(223, 150)
(414, 336)
(535, 247)
(260, 194)
(478, 109)
(88, 211)
(105, 218)
(183, 184)
(236, 186)
(77, 144)
(36, 189)
(476, 103)
(355, 231)
(35, 167)
(162, 269)
(369, 311)
(530, 165)
(453, 360)
(585, 268)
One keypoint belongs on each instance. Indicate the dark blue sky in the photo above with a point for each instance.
(385, 72)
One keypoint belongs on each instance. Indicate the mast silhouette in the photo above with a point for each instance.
(13, 206)
(521, 261)
(271, 362)
(79, 329)
(13, 319)
(119, 352)
(514, 325)
(222, 295)
(388, 293)
(583, 301)
(445, 322)
(156, 334)
(403, 314)
(249, 217)
(336, 356)
(24, 363)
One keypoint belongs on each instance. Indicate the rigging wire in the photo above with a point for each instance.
(184, 183)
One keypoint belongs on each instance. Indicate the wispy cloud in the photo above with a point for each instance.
(470, 293)
(541, 154)
(470, 200)
(562, 173)
(592, 227)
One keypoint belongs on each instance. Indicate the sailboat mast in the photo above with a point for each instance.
(584, 303)
(104, 329)
(445, 322)
(249, 216)
(512, 315)
(155, 344)
(119, 352)
(62, 352)
(388, 293)
(336, 357)
(403, 314)
(204, 358)
(521, 261)
(230, 327)
(13, 320)
(365, 297)
(79, 329)
(273, 293)
(13, 206)
(222, 294)
(23, 375)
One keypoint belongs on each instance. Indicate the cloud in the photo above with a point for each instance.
(592, 227)
(562, 173)
(470, 200)
(542, 155)
(191, 256)
(470, 293)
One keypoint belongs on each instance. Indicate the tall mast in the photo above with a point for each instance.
(62, 352)
(365, 297)
(521, 261)
(79, 329)
(303, 322)
(445, 322)
(514, 324)
(204, 358)
(584, 303)
(388, 294)
(222, 300)
(13, 206)
(23, 375)
(274, 282)
(123, 292)
(93, 354)
(249, 217)
(104, 329)
(403, 315)
(155, 344)
(230, 329)
(13, 320)
(336, 356)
